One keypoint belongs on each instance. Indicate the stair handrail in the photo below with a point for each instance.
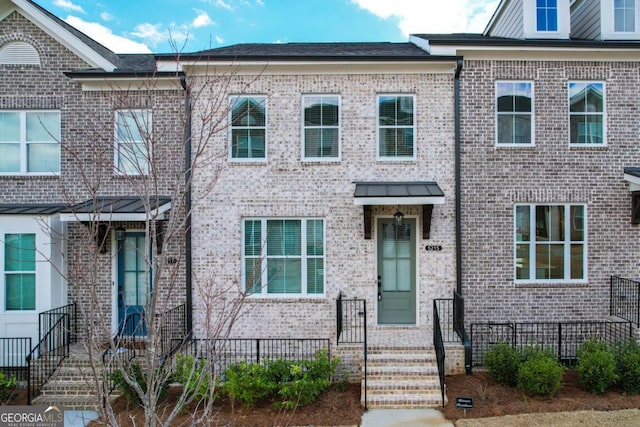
(55, 346)
(438, 344)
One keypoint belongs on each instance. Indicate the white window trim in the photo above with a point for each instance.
(338, 158)
(608, 22)
(378, 127)
(604, 114)
(24, 144)
(567, 245)
(35, 272)
(530, 21)
(532, 113)
(232, 100)
(263, 258)
(116, 151)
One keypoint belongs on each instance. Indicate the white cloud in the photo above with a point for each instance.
(105, 36)
(420, 16)
(223, 4)
(219, 39)
(152, 33)
(67, 5)
(202, 20)
(259, 2)
(106, 16)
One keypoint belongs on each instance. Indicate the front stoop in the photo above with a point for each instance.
(73, 385)
(404, 377)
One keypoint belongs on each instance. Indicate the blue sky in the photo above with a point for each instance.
(163, 26)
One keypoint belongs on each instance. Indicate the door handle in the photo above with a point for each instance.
(379, 288)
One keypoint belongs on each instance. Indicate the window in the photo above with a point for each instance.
(29, 142)
(624, 16)
(547, 15)
(133, 141)
(550, 243)
(284, 256)
(514, 113)
(586, 113)
(321, 127)
(248, 127)
(20, 271)
(396, 126)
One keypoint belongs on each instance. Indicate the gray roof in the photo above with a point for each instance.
(475, 39)
(31, 209)
(117, 204)
(357, 51)
(398, 189)
(633, 171)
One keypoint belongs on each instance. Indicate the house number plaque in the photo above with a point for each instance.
(433, 248)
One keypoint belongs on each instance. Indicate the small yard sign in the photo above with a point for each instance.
(464, 402)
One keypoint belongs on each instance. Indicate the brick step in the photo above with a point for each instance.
(405, 360)
(401, 385)
(402, 371)
(67, 388)
(69, 402)
(401, 401)
(400, 350)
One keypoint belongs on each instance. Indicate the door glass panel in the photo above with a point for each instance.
(389, 274)
(130, 288)
(404, 275)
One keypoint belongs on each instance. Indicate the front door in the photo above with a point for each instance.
(133, 281)
(396, 271)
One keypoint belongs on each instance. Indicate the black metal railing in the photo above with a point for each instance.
(562, 338)
(172, 329)
(451, 315)
(439, 347)
(47, 319)
(351, 328)
(45, 357)
(446, 322)
(13, 352)
(625, 299)
(459, 328)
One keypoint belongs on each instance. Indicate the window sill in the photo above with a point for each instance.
(551, 284)
(583, 147)
(288, 299)
(31, 176)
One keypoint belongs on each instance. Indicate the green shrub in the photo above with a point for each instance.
(135, 372)
(193, 377)
(540, 373)
(247, 382)
(7, 385)
(628, 366)
(502, 361)
(308, 380)
(596, 366)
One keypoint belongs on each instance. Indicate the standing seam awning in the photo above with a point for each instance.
(398, 193)
(117, 208)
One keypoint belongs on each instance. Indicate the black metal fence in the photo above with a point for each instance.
(13, 353)
(625, 299)
(562, 338)
(47, 319)
(172, 327)
(439, 346)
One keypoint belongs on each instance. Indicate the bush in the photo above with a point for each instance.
(540, 373)
(193, 377)
(7, 385)
(135, 372)
(628, 366)
(596, 366)
(247, 382)
(502, 361)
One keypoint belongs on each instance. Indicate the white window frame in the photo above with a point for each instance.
(232, 100)
(603, 113)
(6, 273)
(566, 242)
(531, 21)
(379, 127)
(264, 291)
(24, 144)
(147, 144)
(607, 13)
(338, 157)
(531, 113)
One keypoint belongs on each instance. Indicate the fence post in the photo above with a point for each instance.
(559, 341)
(258, 350)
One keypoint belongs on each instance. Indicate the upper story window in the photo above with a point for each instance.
(134, 130)
(586, 113)
(550, 243)
(396, 127)
(624, 16)
(321, 127)
(29, 142)
(248, 127)
(20, 272)
(284, 256)
(514, 113)
(547, 15)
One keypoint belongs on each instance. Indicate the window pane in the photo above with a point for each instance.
(315, 238)
(20, 291)
(252, 238)
(522, 262)
(514, 129)
(315, 276)
(577, 223)
(549, 223)
(586, 97)
(586, 129)
(523, 232)
(321, 142)
(9, 157)
(285, 275)
(577, 261)
(20, 252)
(9, 126)
(248, 143)
(387, 110)
(284, 238)
(248, 111)
(396, 142)
(253, 275)
(43, 126)
(43, 158)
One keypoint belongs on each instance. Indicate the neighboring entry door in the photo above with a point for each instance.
(396, 271)
(133, 280)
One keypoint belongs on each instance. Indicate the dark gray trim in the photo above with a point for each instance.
(633, 171)
(398, 189)
(117, 205)
(469, 39)
(31, 209)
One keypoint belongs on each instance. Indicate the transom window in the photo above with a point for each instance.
(514, 113)
(624, 16)
(134, 131)
(284, 256)
(586, 113)
(20, 271)
(248, 127)
(396, 125)
(547, 15)
(321, 127)
(29, 142)
(550, 243)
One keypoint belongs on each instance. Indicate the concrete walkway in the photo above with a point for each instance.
(404, 418)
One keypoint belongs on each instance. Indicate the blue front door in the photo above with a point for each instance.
(134, 282)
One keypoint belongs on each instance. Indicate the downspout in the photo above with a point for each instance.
(187, 202)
